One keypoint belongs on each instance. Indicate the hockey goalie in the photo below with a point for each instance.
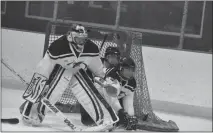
(79, 62)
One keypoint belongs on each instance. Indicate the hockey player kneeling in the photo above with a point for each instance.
(76, 55)
(124, 103)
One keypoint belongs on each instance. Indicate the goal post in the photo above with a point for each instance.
(130, 43)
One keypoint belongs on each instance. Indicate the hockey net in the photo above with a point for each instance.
(142, 102)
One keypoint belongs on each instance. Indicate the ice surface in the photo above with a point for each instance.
(11, 100)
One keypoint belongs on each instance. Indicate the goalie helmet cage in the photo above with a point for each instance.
(142, 102)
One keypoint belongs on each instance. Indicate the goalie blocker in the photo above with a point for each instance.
(35, 88)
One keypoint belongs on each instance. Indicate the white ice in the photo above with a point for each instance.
(11, 100)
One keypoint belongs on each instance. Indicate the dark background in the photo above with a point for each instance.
(163, 16)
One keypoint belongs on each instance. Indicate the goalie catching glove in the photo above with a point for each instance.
(127, 121)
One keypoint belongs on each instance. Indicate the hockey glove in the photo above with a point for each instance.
(128, 122)
(112, 87)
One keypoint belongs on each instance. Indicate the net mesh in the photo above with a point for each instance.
(142, 102)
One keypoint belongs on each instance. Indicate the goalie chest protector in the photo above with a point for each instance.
(61, 52)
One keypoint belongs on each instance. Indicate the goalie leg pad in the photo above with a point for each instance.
(30, 114)
(106, 106)
(57, 85)
(34, 112)
(34, 92)
(60, 82)
(86, 118)
(87, 99)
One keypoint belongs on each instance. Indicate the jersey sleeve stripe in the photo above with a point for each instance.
(129, 87)
(108, 70)
(89, 54)
(59, 56)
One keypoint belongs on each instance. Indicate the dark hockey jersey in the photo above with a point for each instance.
(128, 86)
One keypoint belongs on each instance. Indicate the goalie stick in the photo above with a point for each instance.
(55, 110)
(58, 113)
(13, 71)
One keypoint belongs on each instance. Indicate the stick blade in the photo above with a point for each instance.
(10, 120)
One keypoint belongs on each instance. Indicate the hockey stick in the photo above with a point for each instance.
(58, 113)
(54, 109)
(10, 120)
(102, 44)
(13, 71)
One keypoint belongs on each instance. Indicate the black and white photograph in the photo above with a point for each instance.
(106, 66)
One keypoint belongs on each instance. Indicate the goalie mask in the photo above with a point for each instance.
(77, 36)
(112, 56)
(127, 68)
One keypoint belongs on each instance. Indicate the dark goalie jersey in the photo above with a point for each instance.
(128, 86)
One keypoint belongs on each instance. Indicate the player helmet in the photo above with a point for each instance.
(77, 36)
(112, 50)
(127, 67)
(112, 56)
